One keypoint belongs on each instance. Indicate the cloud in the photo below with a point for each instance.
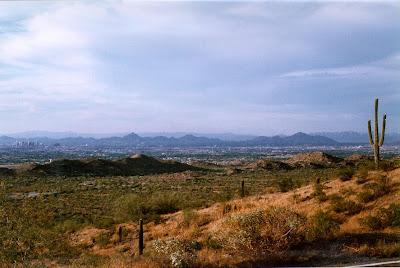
(167, 66)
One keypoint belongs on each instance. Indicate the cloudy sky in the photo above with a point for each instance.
(260, 68)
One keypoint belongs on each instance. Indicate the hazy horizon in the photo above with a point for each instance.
(247, 68)
(223, 136)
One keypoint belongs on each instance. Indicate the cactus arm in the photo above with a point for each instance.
(376, 136)
(369, 133)
(383, 131)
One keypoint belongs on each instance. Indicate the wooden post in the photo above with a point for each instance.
(140, 237)
(120, 234)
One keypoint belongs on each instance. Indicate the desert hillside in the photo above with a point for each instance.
(313, 209)
(344, 219)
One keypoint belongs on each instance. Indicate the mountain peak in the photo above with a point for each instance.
(132, 136)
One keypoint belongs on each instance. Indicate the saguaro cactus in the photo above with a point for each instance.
(376, 143)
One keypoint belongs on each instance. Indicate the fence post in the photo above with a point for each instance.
(120, 233)
(140, 237)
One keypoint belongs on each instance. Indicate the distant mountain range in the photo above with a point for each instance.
(133, 139)
(187, 140)
(70, 134)
(356, 137)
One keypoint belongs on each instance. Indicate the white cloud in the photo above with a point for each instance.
(150, 65)
(382, 68)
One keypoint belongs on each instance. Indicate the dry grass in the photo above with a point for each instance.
(200, 224)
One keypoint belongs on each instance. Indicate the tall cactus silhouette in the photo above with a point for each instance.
(376, 143)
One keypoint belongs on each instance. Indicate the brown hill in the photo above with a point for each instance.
(314, 160)
(6, 171)
(358, 159)
(269, 165)
(136, 165)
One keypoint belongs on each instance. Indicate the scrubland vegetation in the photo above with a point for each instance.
(200, 218)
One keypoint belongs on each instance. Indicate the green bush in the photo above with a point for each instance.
(386, 166)
(372, 222)
(340, 205)
(28, 231)
(189, 217)
(374, 190)
(165, 203)
(362, 175)
(368, 166)
(345, 174)
(149, 208)
(103, 239)
(319, 193)
(224, 196)
(285, 184)
(321, 226)
(366, 196)
(385, 217)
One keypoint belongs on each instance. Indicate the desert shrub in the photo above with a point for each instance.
(261, 231)
(134, 207)
(165, 203)
(103, 222)
(103, 239)
(319, 193)
(382, 249)
(361, 180)
(367, 166)
(226, 208)
(366, 196)
(340, 205)
(345, 174)
(385, 217)
(212, 242)
(285, 184)
(189, 217)
(28, 231)
(373, 190)
(89, 259)
(296, 198)
(181, 252)
(346, 191)
(321, 226)
(386, 166)
(362, 174)
(149, 208)
(69, 225)
(224, 196)
(372, 222)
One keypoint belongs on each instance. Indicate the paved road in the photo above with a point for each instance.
(376, 264)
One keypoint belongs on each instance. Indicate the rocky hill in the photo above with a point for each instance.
(136, 165)
(314, 159)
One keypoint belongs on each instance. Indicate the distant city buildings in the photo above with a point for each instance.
(27, 144)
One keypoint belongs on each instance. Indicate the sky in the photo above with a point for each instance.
(262, 68)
